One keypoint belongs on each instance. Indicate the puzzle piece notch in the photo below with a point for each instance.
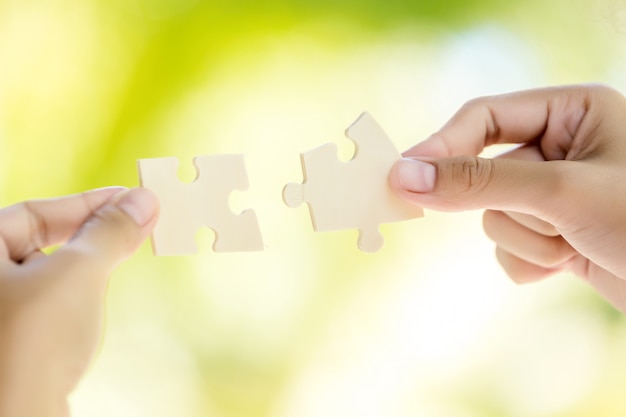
(354, 194)
(187, 207)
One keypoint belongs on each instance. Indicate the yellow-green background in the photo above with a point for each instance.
(311, 327)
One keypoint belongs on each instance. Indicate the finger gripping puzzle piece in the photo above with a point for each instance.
(356, 194)
(186, 208)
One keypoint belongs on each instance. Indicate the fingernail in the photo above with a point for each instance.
(140, 204)
(416, 176)
(111, 188)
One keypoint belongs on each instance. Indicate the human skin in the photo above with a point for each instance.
(557, 203)
(51, 306)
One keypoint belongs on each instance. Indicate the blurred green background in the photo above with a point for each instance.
(429, 326)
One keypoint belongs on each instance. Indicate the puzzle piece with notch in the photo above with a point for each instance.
(356, 194)
(185, 208)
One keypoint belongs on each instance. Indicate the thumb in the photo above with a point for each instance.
(465, 183)
(113, 232)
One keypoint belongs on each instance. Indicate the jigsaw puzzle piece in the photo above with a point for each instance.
(296, 194)
(356, 194)
(234, 232)
(186, 208)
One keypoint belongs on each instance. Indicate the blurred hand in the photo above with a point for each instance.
(556, 203)
(51, 306)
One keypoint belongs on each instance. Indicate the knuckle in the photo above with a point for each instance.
(477, 103)
(602, 94)
(38, 228)
(601, 89)
(470, 174)
(481, 108)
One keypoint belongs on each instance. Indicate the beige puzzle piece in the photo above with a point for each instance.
(186, 208)
(356, 194)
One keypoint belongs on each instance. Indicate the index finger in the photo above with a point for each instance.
(29, 226)
(549, 115)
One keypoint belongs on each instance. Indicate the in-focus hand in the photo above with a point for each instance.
(556, 203)
(51, 306)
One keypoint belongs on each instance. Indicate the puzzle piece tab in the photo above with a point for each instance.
(356, 194)
(185, 208)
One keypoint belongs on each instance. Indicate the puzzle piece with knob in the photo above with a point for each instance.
(185, 208)
(356, 194)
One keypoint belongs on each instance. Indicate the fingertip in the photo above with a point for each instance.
(140, 204)
(113, 232)
(414, 175)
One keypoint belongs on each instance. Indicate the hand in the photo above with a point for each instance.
(556, 203)
(51, 306)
